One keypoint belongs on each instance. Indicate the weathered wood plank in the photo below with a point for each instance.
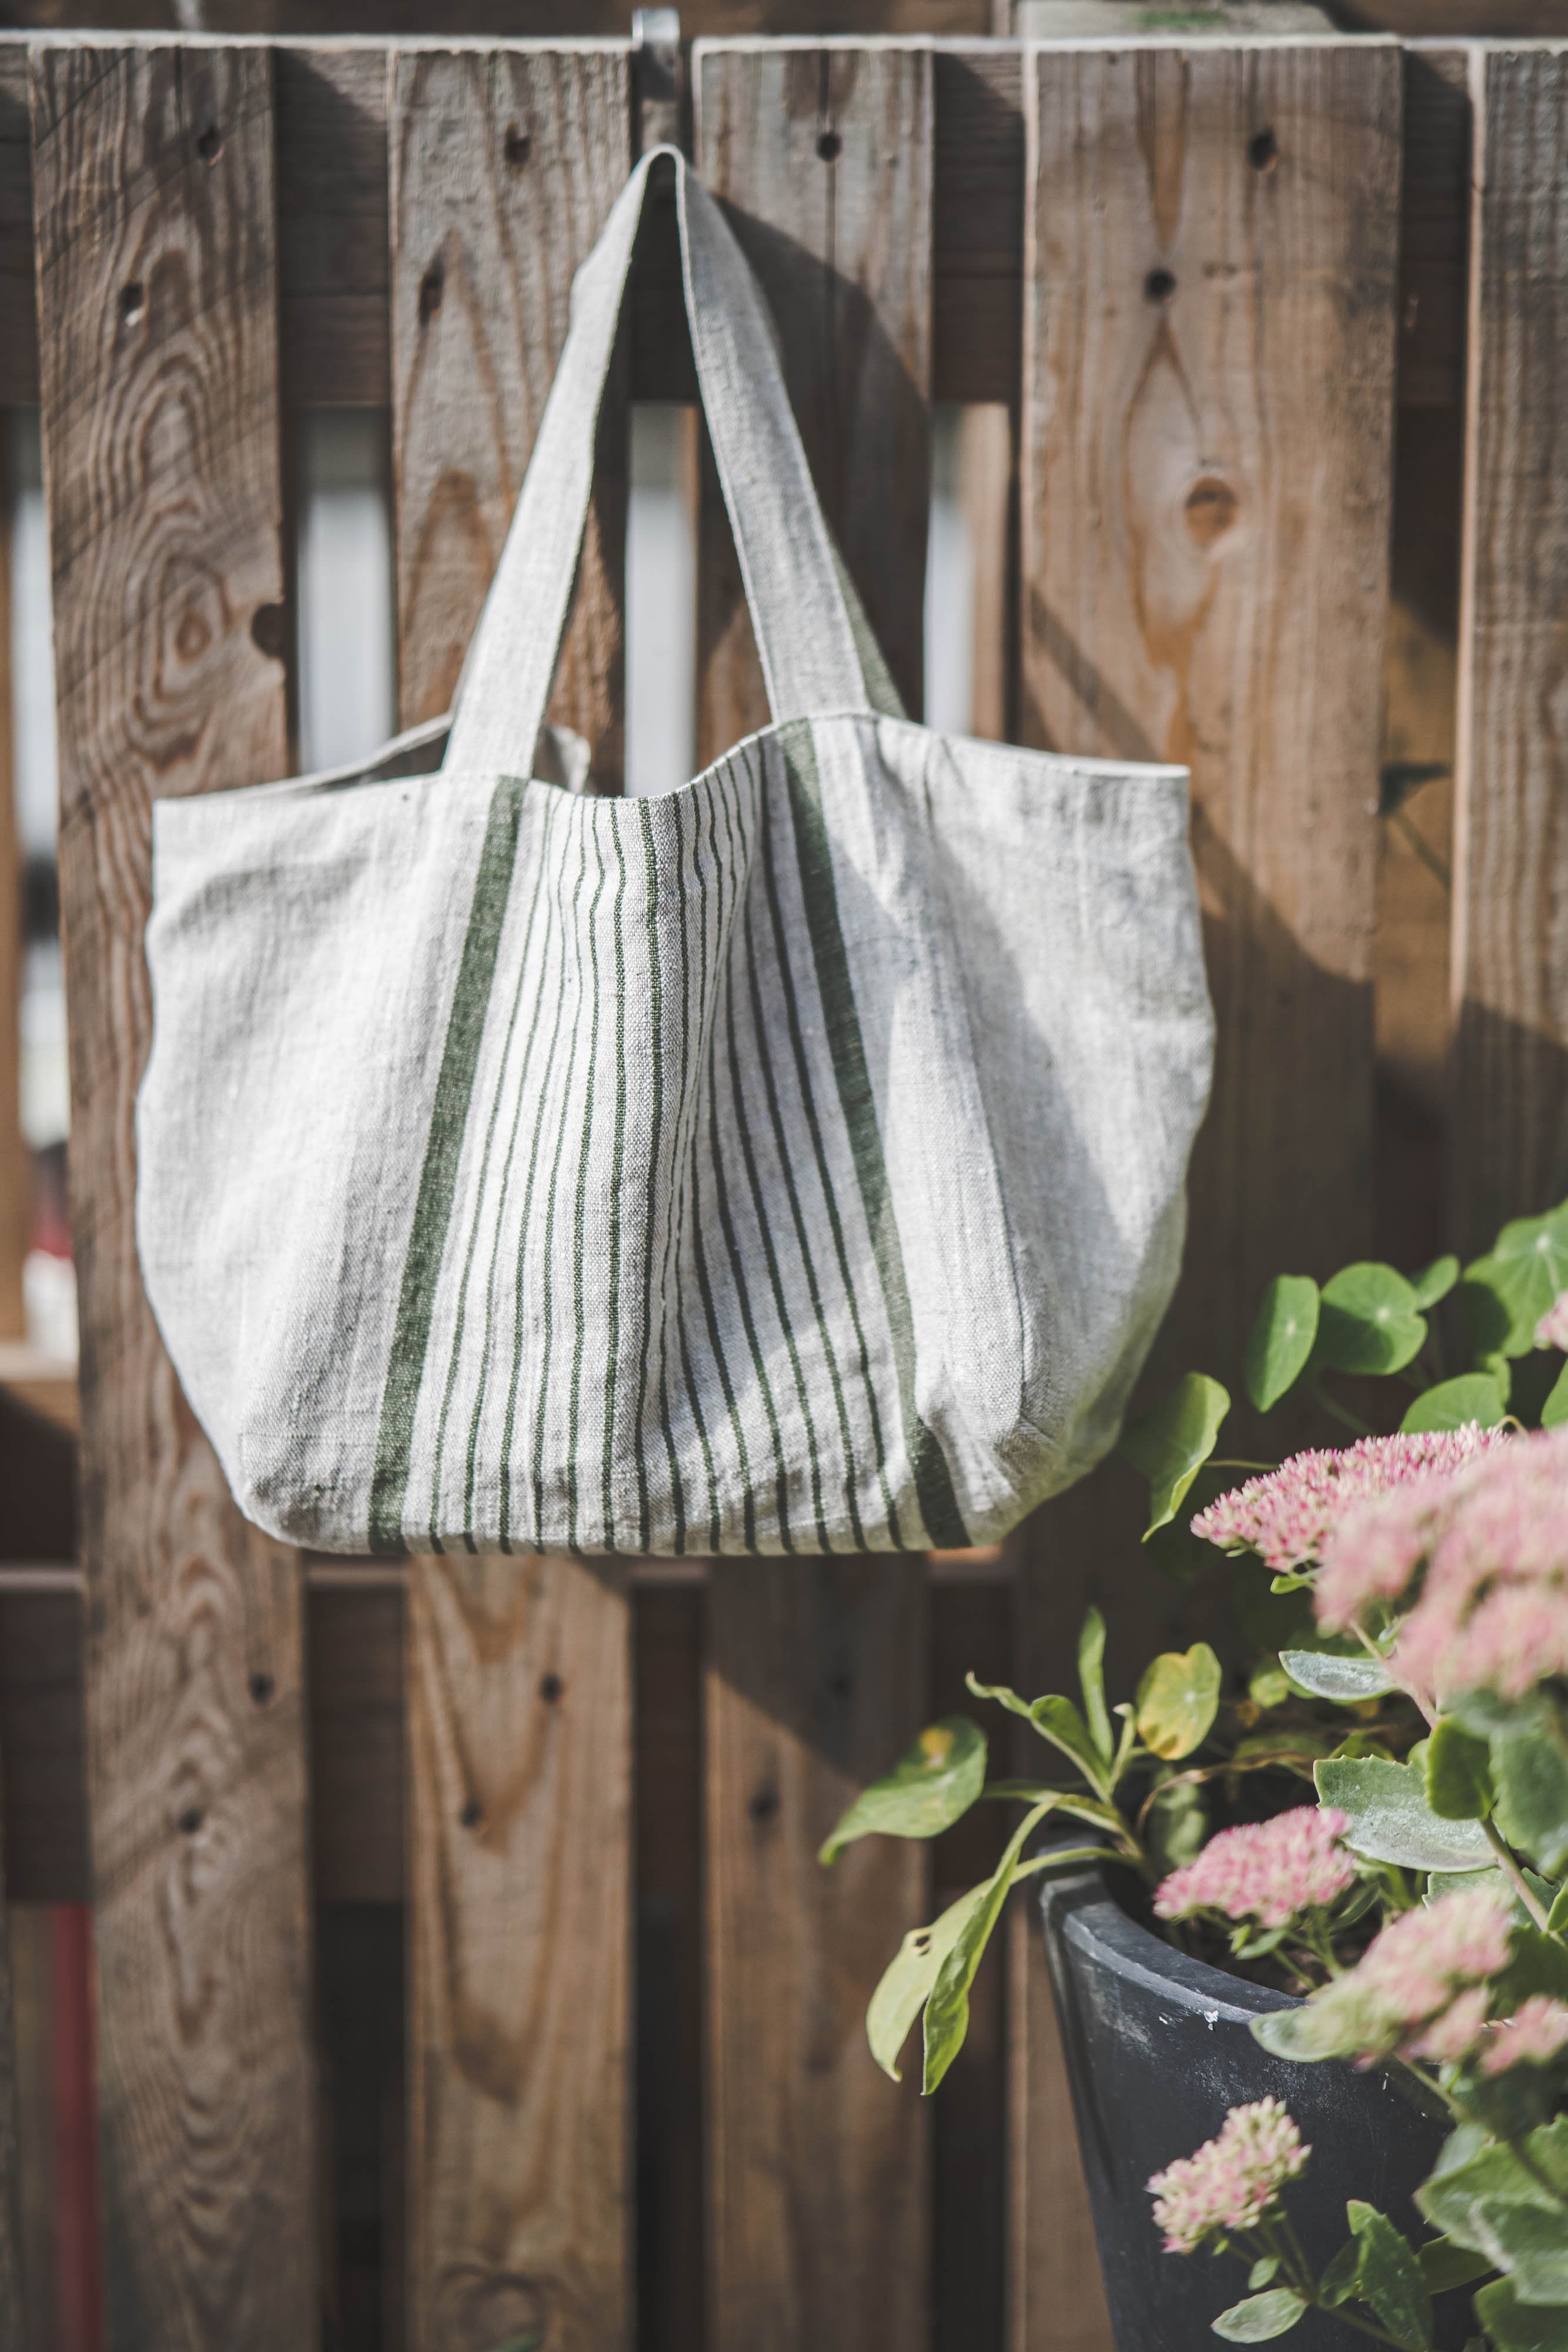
(332, 230)
(1208, 357)
(1511, 948)
(12, 2319)
(817, 2168)
(504, 168)
(18, 310)
(16, 1163)
(152, 175)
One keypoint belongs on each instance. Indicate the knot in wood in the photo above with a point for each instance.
(1159, 286)
(515, 147)
(1210, 509)
(432, 288)
(1263, 150)
(830, 146)
(550, 1688)
(209, 146)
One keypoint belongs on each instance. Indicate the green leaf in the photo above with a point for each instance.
(1536, 1963)
(1344, 1680)
(1390, 1820)
(1268, 1684)
(1530, 2244)
(1368, 1321)
(948, 2005)
(1172, 1441)
(1473, 2170)
(1532, 1767)
(1056, 1719)
(1557, 1917)
(1340, 2280)
(1554, 1411)
(1177, 1701)
(1176, 1828)
(1091, 1682)
(1261, 2316)
(933, 1784)
(1281, 1339)
(1446, 2265)
(906, 1984)
(1262, 2271)
(1435, 1281)
(1295, 2033)
(1519, 1279)
(1454, 1404)
(1390, 2278)
(1459, 1773)
(1514, 2326)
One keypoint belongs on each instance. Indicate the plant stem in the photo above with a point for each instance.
(1512, 1873)
(1228, 1461)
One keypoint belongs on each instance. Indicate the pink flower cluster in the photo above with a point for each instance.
(1421, 1987)
(1231, 2181)
(1531, 2037)
(1289, 1516)
(1492, 1611)
(1551, 1331)
(1271, 1872)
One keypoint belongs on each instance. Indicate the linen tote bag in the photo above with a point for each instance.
(791, 1164)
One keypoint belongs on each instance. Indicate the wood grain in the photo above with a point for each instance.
(519, 1747)
(153, 177)
(33, 2010)
(333, 249)
(16, 1163)
(13, 2316)
(823, 158)
(1209, 376)
(1510, 945)
(504, 168)
(818, 2166)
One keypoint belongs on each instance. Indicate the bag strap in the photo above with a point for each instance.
(817, 649)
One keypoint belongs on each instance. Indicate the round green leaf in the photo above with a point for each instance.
(1435, 1281)
(1390, 1820)
(1261, 2316)
(1554, 1411)
(1509, 1290)
(1367, 1321)
(1178, 1700)
(1459, 1773)
(1172, 1441)
(1454, 1404)
(1281, 1339)
(933, 1782)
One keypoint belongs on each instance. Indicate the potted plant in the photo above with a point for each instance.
(1315, 1915)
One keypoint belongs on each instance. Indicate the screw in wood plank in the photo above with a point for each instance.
(659, 75)
(550, 1688)
(210, 144)
(269, 630)
(432, 288)
(133, 302)
(830, 146)
(1159, 286)
(515, 146)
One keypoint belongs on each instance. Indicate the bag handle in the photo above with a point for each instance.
(817, 649)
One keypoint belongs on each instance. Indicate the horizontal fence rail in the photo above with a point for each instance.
(1281, 402)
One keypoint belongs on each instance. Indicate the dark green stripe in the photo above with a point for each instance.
(551, 804)
(709, 1024)
(809, 1100)
(438, 1177)
(764, 1059)
(616, 1152)
(765, 1231)
(581, 1202)
(546, 1286)
(932, 1480)
(655, 1144)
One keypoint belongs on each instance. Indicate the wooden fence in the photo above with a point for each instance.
(1207, 283)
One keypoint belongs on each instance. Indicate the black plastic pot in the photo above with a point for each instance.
(1157, 2049)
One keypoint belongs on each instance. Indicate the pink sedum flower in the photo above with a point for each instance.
(1231, 2181)
(1490, 1547)
(1288, 1517)
(1551, 1331)
(1531, 2037)
(1271, 1872)
(1413, 1975)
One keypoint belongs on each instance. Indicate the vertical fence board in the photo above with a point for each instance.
(1207, 417)
(16, 1167)
(12, 2317)
(152, 182)
(816, 1670)
(502, 170)
(1510, 943)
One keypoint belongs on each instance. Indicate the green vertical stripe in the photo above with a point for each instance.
(932, 1480)
(438, 1177)
(835, 1223)
(547, 1286)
